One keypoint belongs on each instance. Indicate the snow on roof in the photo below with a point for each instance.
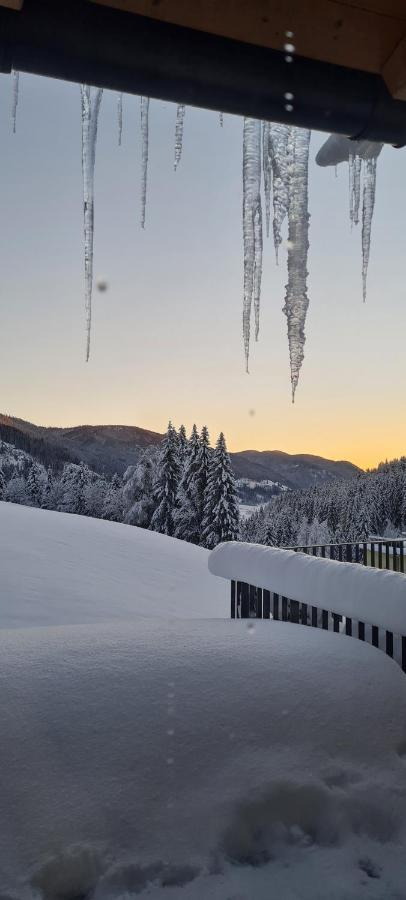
(375, 596)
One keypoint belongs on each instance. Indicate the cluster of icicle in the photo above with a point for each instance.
(279, 153)
(282, 153)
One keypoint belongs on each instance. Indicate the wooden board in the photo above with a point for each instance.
(360, 35)
(12, 4)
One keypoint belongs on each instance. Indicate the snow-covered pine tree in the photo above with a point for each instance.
(182, 444)
(73, 482)
(46, 499)
(138, 489)
(113, 500)
(202, 475)
(221, 515)
(35, 482)
(167, 483)
(187, 514)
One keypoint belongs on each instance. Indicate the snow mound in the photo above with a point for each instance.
(376, 596)
(150, 756)
(59, 569)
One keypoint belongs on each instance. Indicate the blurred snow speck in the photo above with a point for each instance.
(102, 285)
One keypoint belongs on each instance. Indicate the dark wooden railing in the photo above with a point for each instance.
(250, 602)
(380, 554)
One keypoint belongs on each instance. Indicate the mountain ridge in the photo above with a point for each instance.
(111, 448)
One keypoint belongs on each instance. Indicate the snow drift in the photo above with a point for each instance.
(62, 569)
(166, 752)
(376, 596)
(174, 757)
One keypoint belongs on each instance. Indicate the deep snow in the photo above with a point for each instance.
(62, 569)
(174, 757)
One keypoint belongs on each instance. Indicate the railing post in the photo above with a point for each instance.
(245, 601)
(233, 599)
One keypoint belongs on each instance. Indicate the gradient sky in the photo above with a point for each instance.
(166, 338)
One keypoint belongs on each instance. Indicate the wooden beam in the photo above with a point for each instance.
(394, 71)
(12, 4)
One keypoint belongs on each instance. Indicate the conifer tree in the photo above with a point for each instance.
(202, 474)
(221, 515)
(34, 484)
(138, 490)
(113, 500)
(182, 445)
(167, 484)
(187, 514)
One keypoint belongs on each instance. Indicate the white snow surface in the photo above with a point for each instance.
(182, 759)
(195, 747)
(376, 596)
(62, 569)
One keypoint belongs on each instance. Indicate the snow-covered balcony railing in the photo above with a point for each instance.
(270, 583)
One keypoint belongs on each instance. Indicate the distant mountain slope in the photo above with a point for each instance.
(111, 448)
(105, 448)
(299, 470)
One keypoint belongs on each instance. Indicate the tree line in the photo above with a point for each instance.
(370, 504)
(184, 488)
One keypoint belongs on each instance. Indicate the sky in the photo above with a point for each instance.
(166, 337)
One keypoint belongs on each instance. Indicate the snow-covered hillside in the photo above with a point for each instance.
(164, 756)
(61, 569)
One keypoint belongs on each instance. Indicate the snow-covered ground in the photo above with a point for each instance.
(170, 757)
(61, 569)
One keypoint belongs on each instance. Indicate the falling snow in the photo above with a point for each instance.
(144, 155)
(252, 227)
(180, 116)
(296, 299)
(91, 99)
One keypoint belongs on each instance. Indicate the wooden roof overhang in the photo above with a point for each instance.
(347, 74)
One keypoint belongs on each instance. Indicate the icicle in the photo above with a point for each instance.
(91, 99)
(267, 170)
(279, 150)
(354, 163)
(296, 299)
(14, 102)
(221, 119)
(368, 202)
(144, 155)
(180, 115)
(120, 117)
(252, 227)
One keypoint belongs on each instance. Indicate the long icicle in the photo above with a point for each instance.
(180, 116)
(144, 155)
(296, 299)
(252, 227)
(14, 100)
(279, 158)
(91, 99)
(368, 203)
(120, 117)
(267, 170)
